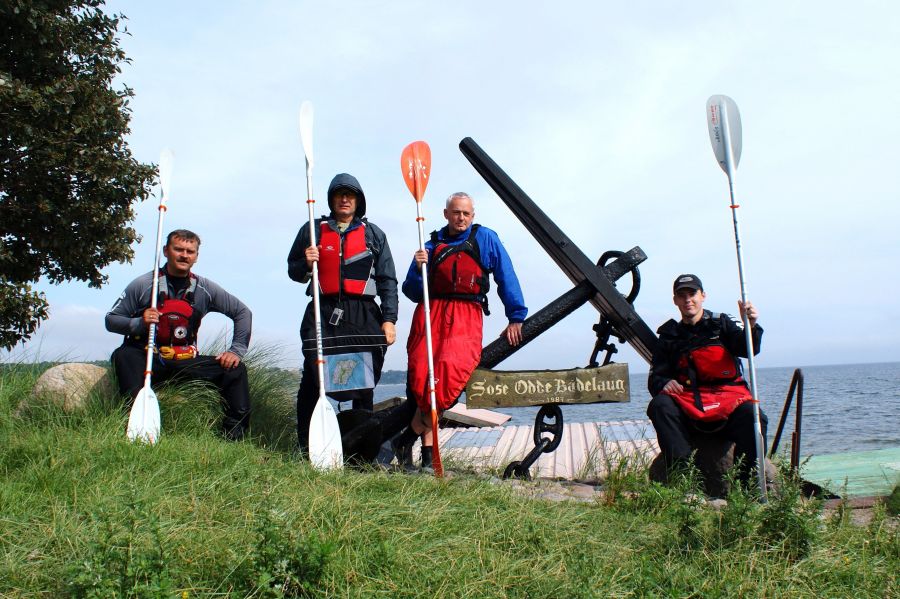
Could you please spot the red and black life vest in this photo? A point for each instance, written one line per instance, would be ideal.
(457, 272)
(346, 264)
(178, 323)
(711, 375)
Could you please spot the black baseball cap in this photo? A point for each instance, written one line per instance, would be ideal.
(689, 281)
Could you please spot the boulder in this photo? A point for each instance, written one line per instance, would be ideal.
(70, 385)
(714, 457)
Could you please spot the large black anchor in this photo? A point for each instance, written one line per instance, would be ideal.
(594, 283)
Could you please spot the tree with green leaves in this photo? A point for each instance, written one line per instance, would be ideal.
(68, 179)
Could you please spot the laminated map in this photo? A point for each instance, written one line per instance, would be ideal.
(346, 372)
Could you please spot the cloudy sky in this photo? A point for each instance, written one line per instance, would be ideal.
(596, 109)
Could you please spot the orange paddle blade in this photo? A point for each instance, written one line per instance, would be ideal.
(415, 162)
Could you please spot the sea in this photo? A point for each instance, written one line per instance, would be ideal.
(850, 407)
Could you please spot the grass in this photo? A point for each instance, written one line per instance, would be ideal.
(84, 513)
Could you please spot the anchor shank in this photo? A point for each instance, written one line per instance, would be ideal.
(543, 319)
(577, 266)
(549, 315)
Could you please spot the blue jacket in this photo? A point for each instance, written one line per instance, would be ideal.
(493, 257)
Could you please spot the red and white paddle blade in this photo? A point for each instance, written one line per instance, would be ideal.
(306, 131)
(325, 449)
(415, 164)
(724, 121)
(144, 421)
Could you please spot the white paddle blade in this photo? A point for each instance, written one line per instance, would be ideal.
(724, 121)
(306, 131)
(144, 422)
(325, 450)
(166, 164)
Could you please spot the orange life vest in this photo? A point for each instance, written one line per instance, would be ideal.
(177, 324)
(345, 262)
(713, 384)
(456, 271)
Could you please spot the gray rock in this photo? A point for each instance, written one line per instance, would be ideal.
(714, 457)
(70, 385)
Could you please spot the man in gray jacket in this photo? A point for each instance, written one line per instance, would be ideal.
(184, 299)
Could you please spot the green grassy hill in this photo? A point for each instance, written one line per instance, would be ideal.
(87, 514)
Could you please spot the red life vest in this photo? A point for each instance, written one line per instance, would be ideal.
(345, 262)
(177, 324)
(456, 271)
(713, 384)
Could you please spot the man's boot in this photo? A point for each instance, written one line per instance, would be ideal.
(402, 445)
(426, 458)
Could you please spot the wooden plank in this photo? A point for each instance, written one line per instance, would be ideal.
(583, 453)
(494, 388)
(391, 402)
(462, 414)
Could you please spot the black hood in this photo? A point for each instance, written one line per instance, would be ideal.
(343, 180)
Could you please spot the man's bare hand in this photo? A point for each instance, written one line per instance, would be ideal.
(513, 333)
(750, 310)
(228, 360)
(673, 386)
(390, 332)
(312, 255)
(150, 316)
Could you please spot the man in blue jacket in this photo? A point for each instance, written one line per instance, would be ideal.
(460, 257)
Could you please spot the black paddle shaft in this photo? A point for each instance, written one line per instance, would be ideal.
(573, 262)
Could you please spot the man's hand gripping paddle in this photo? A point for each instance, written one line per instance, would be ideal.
(144, 421)
(724, 123)
(325, 450)
(415, 163)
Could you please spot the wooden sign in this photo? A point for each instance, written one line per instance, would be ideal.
(510, 389)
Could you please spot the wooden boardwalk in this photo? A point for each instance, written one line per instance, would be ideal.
(587, 452)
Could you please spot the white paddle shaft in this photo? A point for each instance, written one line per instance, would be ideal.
(426, 303)
(748, 334)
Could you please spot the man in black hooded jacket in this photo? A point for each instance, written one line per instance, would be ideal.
(355, 267)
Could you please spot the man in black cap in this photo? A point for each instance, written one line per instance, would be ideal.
(355, 267)
(696, 378)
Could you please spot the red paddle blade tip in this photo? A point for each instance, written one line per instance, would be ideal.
(415, 164)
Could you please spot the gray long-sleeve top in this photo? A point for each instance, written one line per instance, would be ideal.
(125, 317)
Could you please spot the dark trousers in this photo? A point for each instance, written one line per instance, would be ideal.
(674, 430)
(129, 362)
(308, 395)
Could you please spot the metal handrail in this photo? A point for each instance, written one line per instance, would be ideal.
(796, 385)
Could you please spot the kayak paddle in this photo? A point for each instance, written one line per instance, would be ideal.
(144, 420)
(724, 122)
(415, 163)
(325, 450)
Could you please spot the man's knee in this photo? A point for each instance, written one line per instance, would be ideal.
(661, 406)
(237, 373)
(744, 415)
(128, 366)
